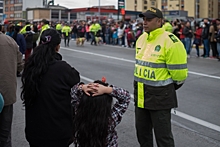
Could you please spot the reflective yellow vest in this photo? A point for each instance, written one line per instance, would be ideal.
(43, 28)
(168, 27)
(23, 30)
(161, 59)
(58, 27)
(66, 30)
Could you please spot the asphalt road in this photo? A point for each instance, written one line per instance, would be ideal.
(197, 119)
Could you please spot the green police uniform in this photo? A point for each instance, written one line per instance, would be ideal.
(161, 66)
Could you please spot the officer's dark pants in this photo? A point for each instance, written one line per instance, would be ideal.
(93, 38)
(160, 121)
(5, 126)
(66, 40)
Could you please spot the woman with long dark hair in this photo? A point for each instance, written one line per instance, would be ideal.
(95, 119)
(46, 85)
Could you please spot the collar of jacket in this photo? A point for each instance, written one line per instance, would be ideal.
(152, 35)
(57, 56)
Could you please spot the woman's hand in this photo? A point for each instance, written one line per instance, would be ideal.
(100, 89)
(88, 88)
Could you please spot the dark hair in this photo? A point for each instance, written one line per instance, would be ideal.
(28, 28)
(0, 27)
(16, 31)
(92, 119)
(37, 65)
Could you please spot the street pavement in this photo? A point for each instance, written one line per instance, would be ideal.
(196, 122)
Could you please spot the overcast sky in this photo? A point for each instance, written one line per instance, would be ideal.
(84, 3)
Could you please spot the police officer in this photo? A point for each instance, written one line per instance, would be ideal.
(59, 27)
(160, 69)
(66, 30)
(167, 26)
(44, 26)
(23, 30)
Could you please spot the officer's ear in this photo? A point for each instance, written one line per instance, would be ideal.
(159, 22)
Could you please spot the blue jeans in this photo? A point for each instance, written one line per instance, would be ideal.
(183, 41)
(197, 43)
(107, 38)
(206, 46)
(188, 42)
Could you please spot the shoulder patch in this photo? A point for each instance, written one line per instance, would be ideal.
(173, 38)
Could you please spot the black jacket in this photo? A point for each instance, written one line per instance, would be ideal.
(205, 32)
(49, 120)
(187, 33)
(157, 98)
(29, 39)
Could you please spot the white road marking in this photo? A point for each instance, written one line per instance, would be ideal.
(178, 113)
(132, 61)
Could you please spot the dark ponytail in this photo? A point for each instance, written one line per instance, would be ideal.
(37, 65)
(16, 31)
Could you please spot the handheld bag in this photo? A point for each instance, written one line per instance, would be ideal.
(1, 102)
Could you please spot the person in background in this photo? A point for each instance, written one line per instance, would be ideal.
(46, 94)
(66, 31)
(217, 39)
(74, 32)
(115, 37)
(187, 31)
(35, 35)
(121, 34)
(20, 40)
(44, 26)
(59, 28)
(10, 30)
(29, 42)
(167, 26)
(205, 38)
(23, 30)
(130, 36)
(10, 64)
(87, 32)
(198, 38)
(107, 34)
(176, 29)
(81, 30)
(213, 30)
(182, 36)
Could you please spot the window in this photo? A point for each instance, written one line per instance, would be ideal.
(11, 8)
(145, 2)
(18, 1)
(145, 7)
(6, 9)
(152, 3)
(1, 4)
(18, 8)
(1, 10)
(135, 1)
(7, 2)
(18, 15)
(11, 1)
(11, 15)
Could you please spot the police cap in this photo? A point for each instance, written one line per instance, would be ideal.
(152, 13)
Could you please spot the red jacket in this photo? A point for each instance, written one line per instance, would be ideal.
(181, 35)
(198, 33)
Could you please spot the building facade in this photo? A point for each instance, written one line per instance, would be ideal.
(195, 8)
(16, 9)
(1, 10)
(139, 5)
